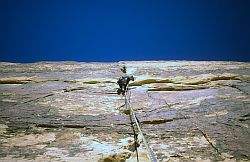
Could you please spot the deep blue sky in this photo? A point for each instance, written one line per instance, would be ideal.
(113, 30)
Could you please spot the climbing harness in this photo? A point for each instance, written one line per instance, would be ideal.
(132, 113)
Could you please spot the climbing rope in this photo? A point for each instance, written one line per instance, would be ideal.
(150, 152)
(133, 128)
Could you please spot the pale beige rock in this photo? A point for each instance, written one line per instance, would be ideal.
(29, 140)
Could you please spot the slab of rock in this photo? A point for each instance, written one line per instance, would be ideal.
(69, 111)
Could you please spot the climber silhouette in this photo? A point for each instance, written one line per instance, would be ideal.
(124, 81)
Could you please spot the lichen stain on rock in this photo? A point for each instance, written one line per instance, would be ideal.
(116, 158)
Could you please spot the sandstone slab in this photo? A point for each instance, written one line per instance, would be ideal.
(69, 111)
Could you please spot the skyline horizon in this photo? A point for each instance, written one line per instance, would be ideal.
(117, 61)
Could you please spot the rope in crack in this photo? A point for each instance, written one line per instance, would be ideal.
(123, 83)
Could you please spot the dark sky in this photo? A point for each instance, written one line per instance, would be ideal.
(114, 30)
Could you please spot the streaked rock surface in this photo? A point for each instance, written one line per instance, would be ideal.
(69, 111)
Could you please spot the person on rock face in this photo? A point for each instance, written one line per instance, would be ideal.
(124, 81)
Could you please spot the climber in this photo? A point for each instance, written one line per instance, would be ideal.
(124, 81)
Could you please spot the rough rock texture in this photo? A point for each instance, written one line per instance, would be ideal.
(69, 111)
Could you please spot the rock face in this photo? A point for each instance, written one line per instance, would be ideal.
(69, 111)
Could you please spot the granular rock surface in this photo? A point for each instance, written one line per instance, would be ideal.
(69, 111)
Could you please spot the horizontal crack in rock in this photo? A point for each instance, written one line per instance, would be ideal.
(88, 82)
(59, 126)
(217, 78)
(24, 81)
(161, 121)
(245, 117)
(14, 81)
(224, 78)
(150, 81)
(38, 98)
(74, 89)
(175, 88)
